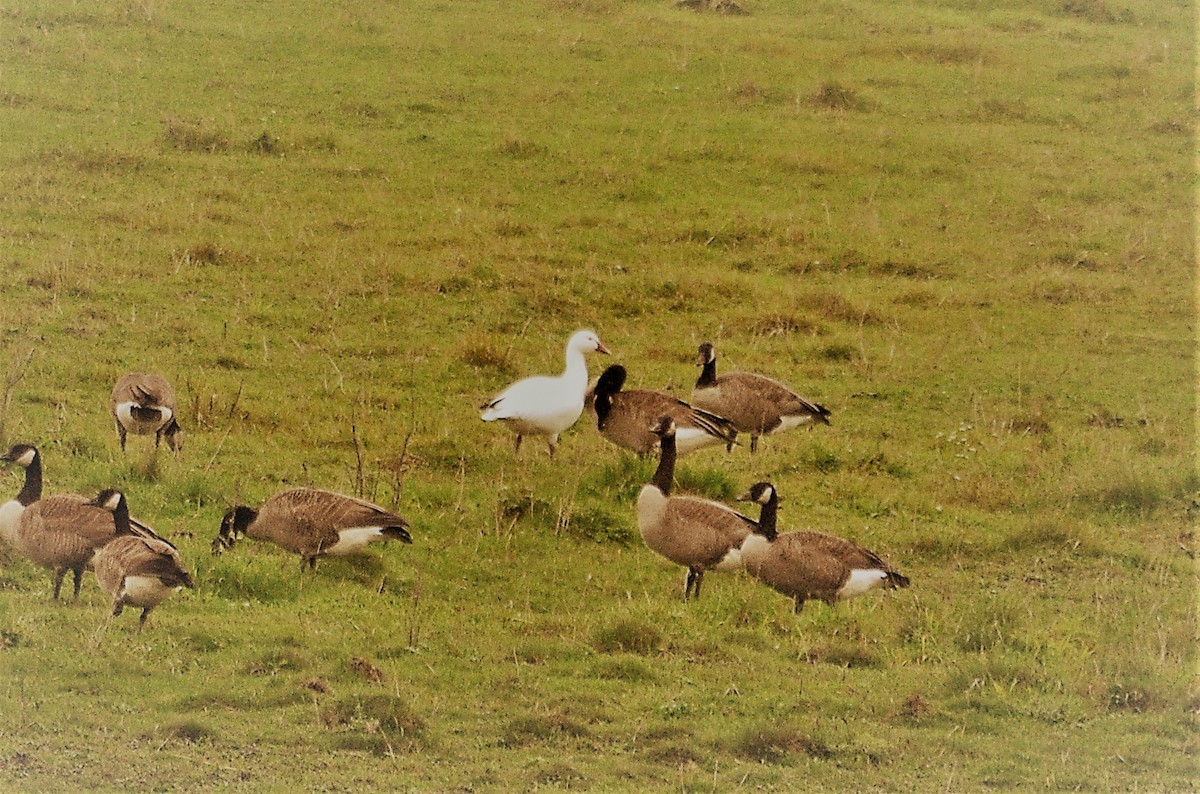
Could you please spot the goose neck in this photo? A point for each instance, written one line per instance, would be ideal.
(665, 474)
(708, 374)
(768, 517)
(575, 372)
(31, 491)
(603, 407)
(121, 518)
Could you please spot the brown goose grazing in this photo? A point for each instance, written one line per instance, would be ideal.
(312, 523)
(755, 404)
(697, 533)
(27, 457)
(804, 565)
(545, 405)
(134, 570)
(144, 403)
(625, 417)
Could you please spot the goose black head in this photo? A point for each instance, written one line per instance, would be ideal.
(21, 454)
(761, 492)
(607, 386)
(233, 528)
(109, 499)
(611, 380)
(705, 354)
(664, 427)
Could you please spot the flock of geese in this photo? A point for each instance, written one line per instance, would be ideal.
(696, 533)
(136, 567)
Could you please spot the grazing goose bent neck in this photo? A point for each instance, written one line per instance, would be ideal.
(610, 382)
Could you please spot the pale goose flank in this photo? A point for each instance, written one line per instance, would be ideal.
(755, 404)
(804, 565)
(313, 523)
(144, 404)
(625, 417)
(133, 570)
(27, 457)
(545, 405)
(699, 534)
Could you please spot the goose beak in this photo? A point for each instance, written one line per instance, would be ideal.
(746, 497)
(600, 348)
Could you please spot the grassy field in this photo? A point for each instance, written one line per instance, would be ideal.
(965, 226)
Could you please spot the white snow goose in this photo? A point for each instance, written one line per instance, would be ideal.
(546, 405)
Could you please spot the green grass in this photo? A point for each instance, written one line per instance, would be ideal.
(965, 227)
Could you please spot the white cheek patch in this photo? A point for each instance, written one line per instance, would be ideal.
(861, 580)
(26, 459)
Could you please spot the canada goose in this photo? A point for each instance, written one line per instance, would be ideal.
(625, 417)
(144, 403)
(806, 565)
(62, 532)
(27, 457)
(696, 533)
(133, 570)
(545, 405)
(312, 523)
(755, 404)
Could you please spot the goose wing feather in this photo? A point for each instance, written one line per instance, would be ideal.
(63, 529)
(635, 411)
(146, 389)
(755, 401)
(800, 563)
(707, 530)
(134, 556)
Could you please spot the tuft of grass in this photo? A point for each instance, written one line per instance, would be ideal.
(625, 669)
(712, 483)
(832, 95)
(775, 744)
(628, 636)
(1130, 496)
(189, 731)
(379, 724)
(542, 729)
(195, 136)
